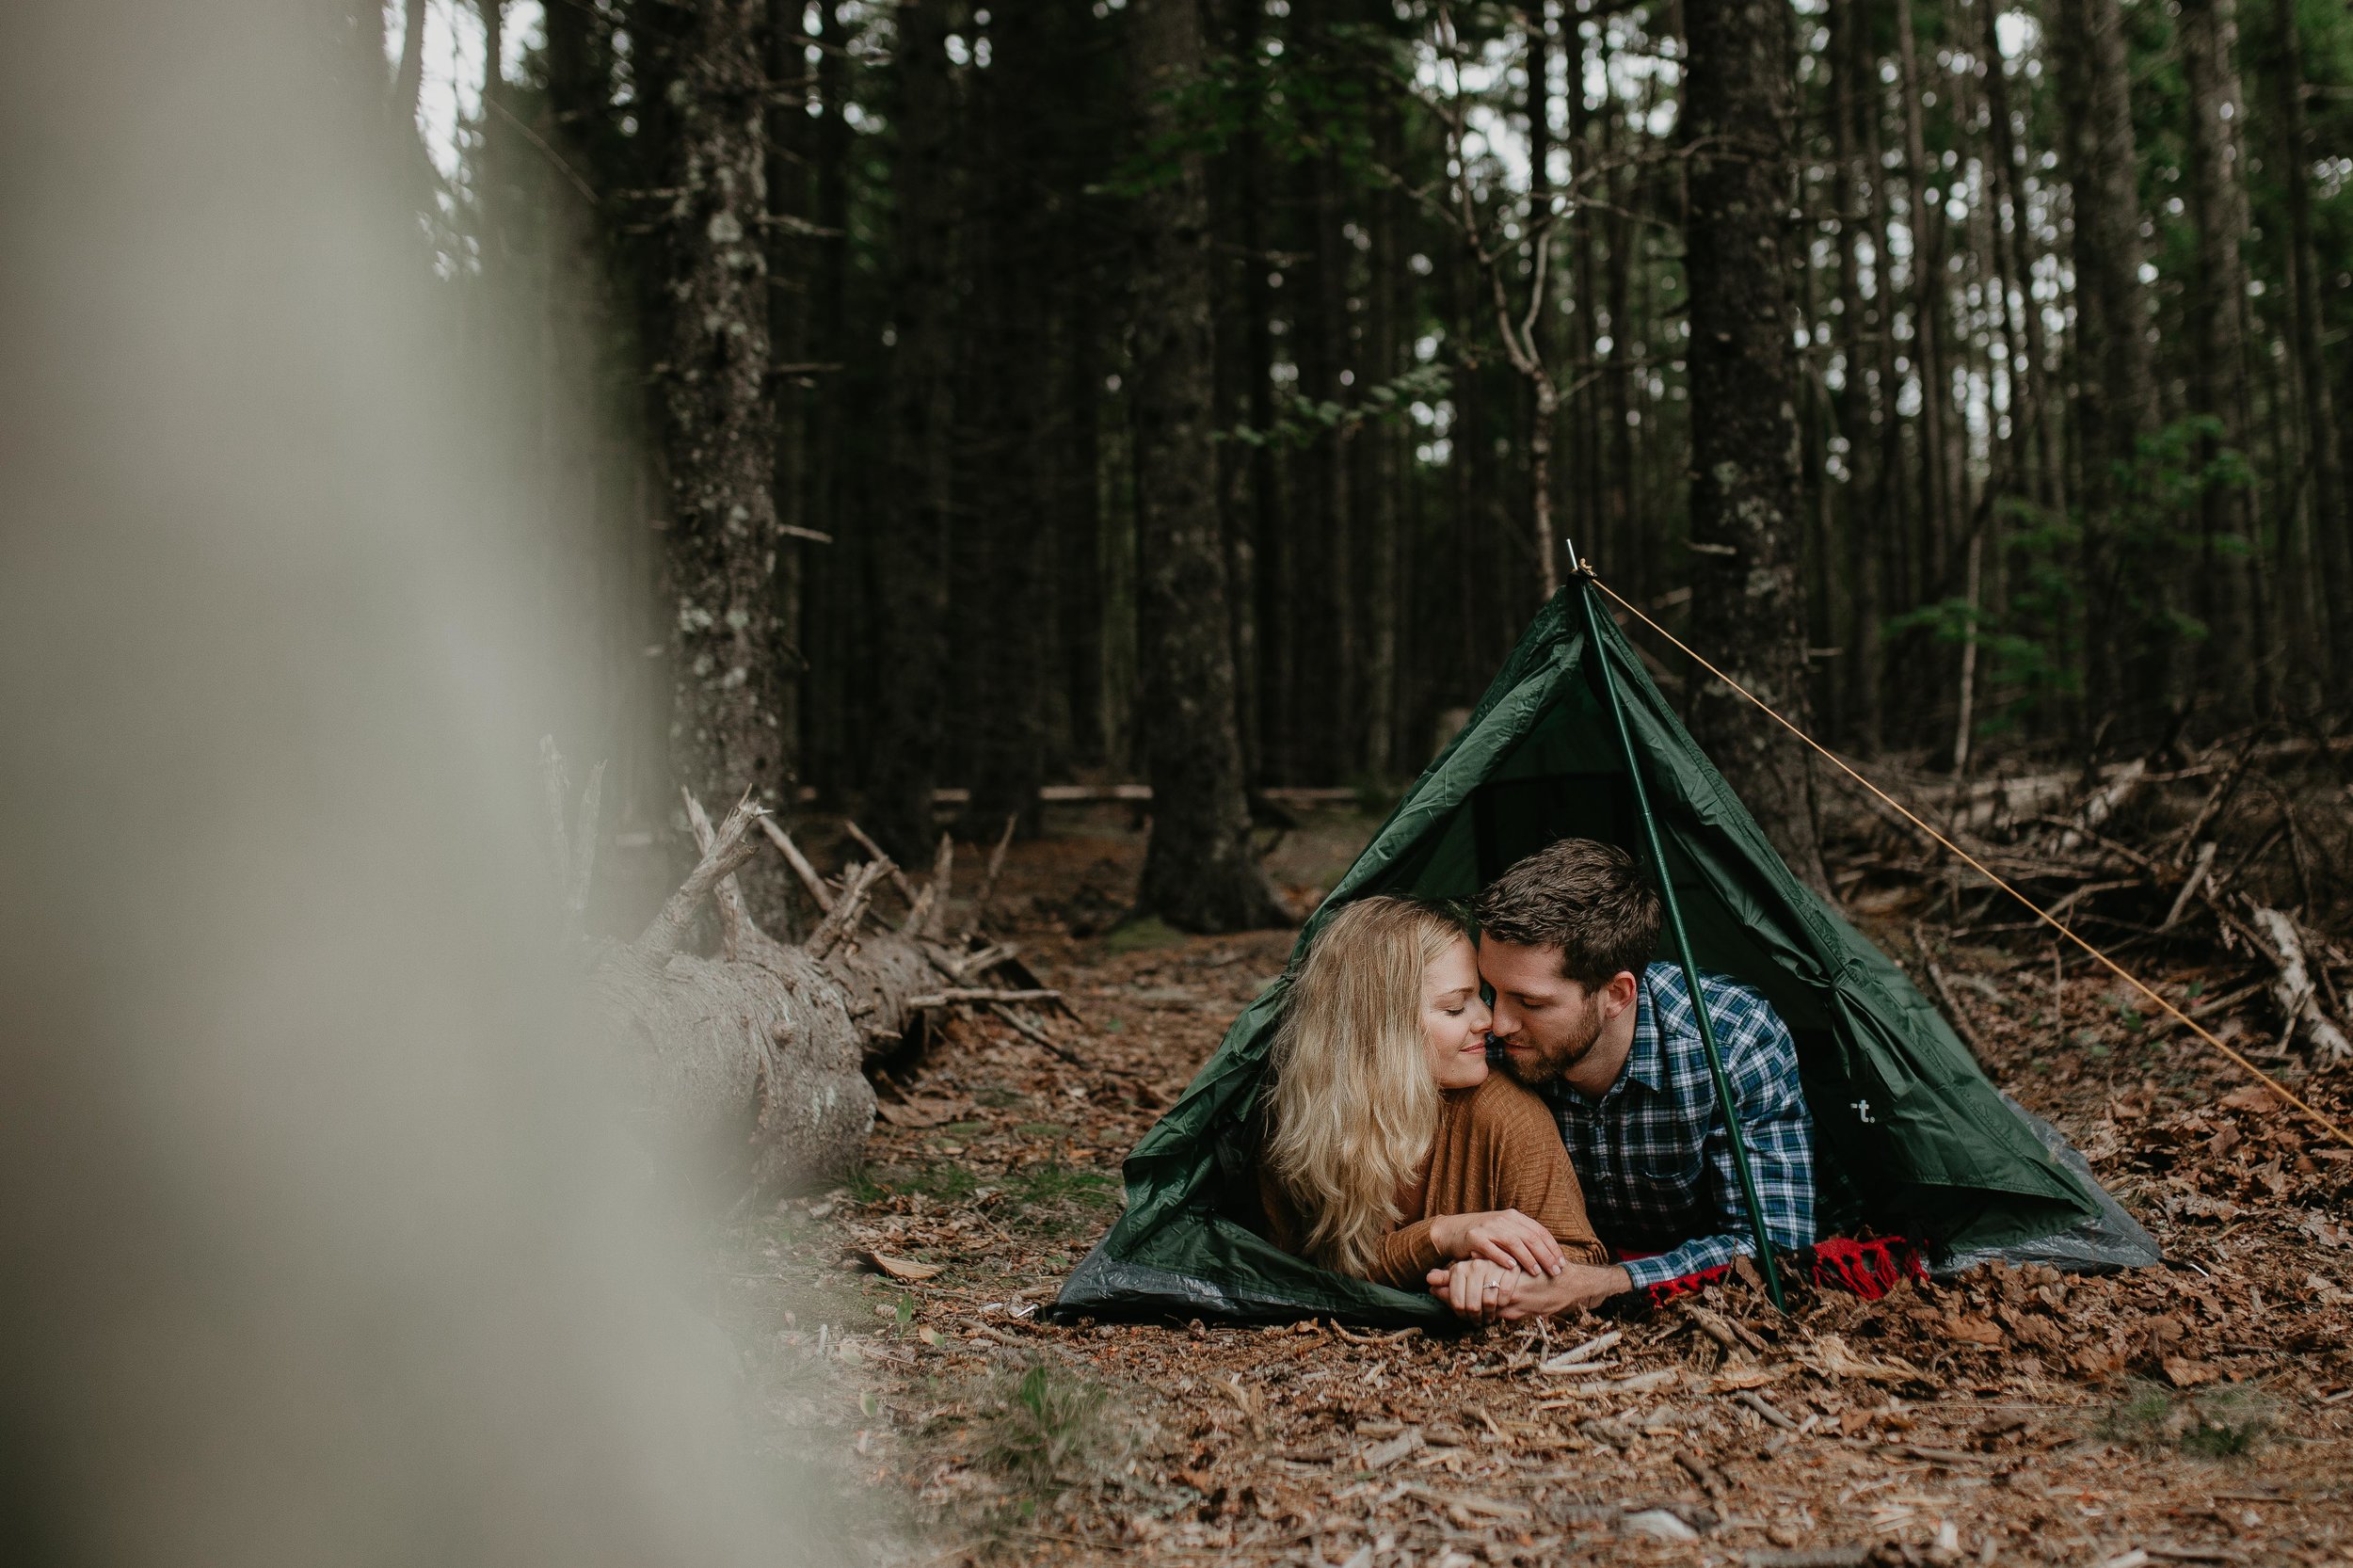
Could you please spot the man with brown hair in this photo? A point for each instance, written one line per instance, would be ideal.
(1611, 1041)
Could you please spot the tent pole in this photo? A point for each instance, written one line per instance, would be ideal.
(1583, 577)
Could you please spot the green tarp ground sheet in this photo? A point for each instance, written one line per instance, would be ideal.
(1910, 1137)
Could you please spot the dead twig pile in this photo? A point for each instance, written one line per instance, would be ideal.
(2229, 858)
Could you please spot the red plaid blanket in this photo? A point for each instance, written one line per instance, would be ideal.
(1869, 1267)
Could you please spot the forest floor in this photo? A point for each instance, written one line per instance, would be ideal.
(2201, 1413)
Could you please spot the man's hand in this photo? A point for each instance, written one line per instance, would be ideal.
(1488, 1293)
(1504, 1237)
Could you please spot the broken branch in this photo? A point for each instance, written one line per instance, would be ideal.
(730, 848)
(801, 868)
(898, 877)
(841, 919)
(963, 996)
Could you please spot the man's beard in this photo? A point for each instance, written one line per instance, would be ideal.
(1539, 1063)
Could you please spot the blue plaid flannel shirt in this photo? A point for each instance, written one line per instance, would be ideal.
(1653, 1155)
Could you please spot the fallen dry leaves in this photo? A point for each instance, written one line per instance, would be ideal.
(2198, 1413)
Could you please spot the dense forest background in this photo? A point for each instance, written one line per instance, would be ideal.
(942, 394)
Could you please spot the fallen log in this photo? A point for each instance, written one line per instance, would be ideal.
(748, 1064)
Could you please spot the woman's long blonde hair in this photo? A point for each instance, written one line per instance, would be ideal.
(1355, 1105)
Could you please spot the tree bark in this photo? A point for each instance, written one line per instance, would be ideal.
(2332, 538)
(789, 138)
(2039, 383)
(832, 576)
(749, 1064)
(1860, 410)
(2115, 378)
(1082, 530)
(718, 417)
(1233, 191)
(1004, 720)
(2208, 30)
(1924, 220)
(910, 587)
(1324, 654)
(1745, 521)
(1385, 471)
(1544, 336)
(1269, 541)
(1200, 872)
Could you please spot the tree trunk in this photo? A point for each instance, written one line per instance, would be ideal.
(2114, 376)
(718, 419)
(1324, 654)
(1384, 472)
(911, 564)
(1200, 872)
(1005, 719)
(1850, 94)
(2331, 536)
(1083, 532)
(1925, 220)
(2208, 30)
(1745, 520)
(1544, 337)
(1635, 538)
(2040, 385)
(1270, 552)
(1890, 558)
(1233, 190)
(832, 573)
(789, 275)
(1592, 517)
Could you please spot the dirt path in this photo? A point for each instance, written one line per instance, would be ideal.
(2201, 1414)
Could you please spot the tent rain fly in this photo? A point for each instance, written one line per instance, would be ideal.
(1910, 1137)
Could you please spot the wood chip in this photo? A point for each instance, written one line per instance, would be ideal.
(1729, 1332)
(1584, 1353)
(1765, 1408)
(1382, 1456)
(1492, 1508)
(1701, 1471)
(1659, 1524)
(906, 1268)
(1935, 1456)
(1574, 1369)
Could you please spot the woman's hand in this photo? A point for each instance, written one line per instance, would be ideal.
(1478, 1289)
(1504, 1237)
(1489, 1294)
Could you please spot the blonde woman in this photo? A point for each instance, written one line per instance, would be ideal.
(1392, 1154)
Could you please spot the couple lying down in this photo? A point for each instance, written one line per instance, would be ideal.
(1557, 1148)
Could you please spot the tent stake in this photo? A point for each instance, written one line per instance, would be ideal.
(1583, 577)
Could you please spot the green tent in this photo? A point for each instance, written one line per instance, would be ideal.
(1910, 1137)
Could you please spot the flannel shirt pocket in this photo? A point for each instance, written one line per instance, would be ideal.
(1676, 1173)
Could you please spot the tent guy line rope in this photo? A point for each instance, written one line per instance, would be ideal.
(1982, 870)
